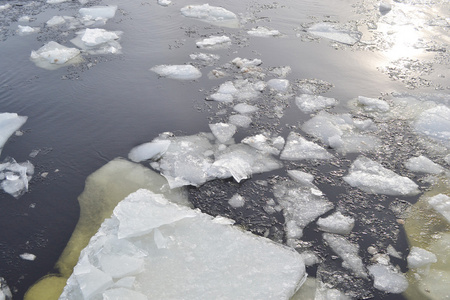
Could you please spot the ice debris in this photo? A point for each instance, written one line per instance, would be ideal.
(98, 41)
(205, 57)
(214, 42)
(312, 103)
(342, 132)
(5, 7)
(236, 201)
(298, 148)
(26, 30)
(336, 223)
(265, 144)
(371, 177)
(441, 203)
(225, 93)
(174, 252)
(372, 104)
(423, 164)
(97, 15)
(435, 123)
(419, 258)
(244, 108)
(27, 256)
(223, 131)
(240, 120)
(261, 31)
(218, 16)
(14, 177)
(164, 2)
(5, 292)
(181, 72)
(328, 31)
(388, 279)
(279, 85)
(9, 123)
(55, 21)
(301, 177)
(53, 55)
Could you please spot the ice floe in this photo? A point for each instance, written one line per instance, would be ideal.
(218, 16)
(236, 201)
(55, 21)
(98, 41)
(223, 131)
(26, 30)
(336, 223)
(97, 15)
(419, 258)
(5, 292)
(244, 108)
(441, 203)
(225, 93)
(53, 55)
(214, 42)
(388, 279)
(166, 244)
(9, 123)
(435, 123)
(423, 164)
(180, 72)
(371, 177)
(301, 177)
(342, 132)
(372, 104)
(164, 2)
(14, 177)
(298, 148)
(27, 256)
(261, 31)
(265, 144)
(328, 31)
(312, 103)
(280, 85)
(240, 120)
(205, 57)
(148, 150)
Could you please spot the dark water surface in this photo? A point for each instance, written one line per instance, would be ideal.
(83, 116)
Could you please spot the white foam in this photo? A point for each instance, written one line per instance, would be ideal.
(311, 103)
(298, 148)
(180, 72)
(218, 16)
(371, 177)
(328, 31)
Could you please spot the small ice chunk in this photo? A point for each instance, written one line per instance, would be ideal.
(123, 294)
(388, 279)
(56, 1)
(311, 103)
(148, 150)
(336, 223)
(218, 16)
(418, 258)
(9, 123)
(244, 108)
(181, 72)
(371, 177)
(53, 53)
(424, 165)
(245, 63)
(27, 256)
(25, 19)
(214, 42)
(15, 176)
(98, 41)
(262, 143)
(206, 57)
(236, 201)
(435, 123)
(5, 292)
(261, 31)
(55, 21)
(95, 12)
(348, 252)
(221, 97)
(301, 177)
(225, 93)
(164, 2)
(97, 36)
(230, 166)
(280, 85)
(328, 31)
(223, 131)
(372, 104)
(298, 148)
(240, 120)
(310, 258)
(26, 30)
(441, 203)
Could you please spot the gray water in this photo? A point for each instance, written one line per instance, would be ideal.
(82, 116)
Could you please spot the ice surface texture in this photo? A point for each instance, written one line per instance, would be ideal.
(179, 253)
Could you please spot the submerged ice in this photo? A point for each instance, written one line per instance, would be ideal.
(167, 251)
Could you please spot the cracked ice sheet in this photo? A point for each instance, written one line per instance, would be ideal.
(201, 258)
(371, 177)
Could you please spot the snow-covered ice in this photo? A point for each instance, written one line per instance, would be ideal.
(181, 72)
(441, 203)
(236, 201)
(372, 104)
(328, 31)
(223, 131)
(214, 42)
(98, 41)
(298, 148)
(9, 123)
(179, 253)
(423, 164)
(53, 55)
(261, 31)
(371, 177)
(418, 258)
(312, 103)
(388, 279)
(336, 223)
(218, 16)
(14, 177)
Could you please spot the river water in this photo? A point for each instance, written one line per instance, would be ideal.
(82, 116)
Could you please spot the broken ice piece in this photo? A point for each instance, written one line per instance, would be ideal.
(298, 148)
(388, 279)
(328, 31)
(207, 259)
(26, 30)
(53, 55)
(435, 123)
(301, 177)
(149, 150)
(55, 21)
(418, 258)
(371, 177)
(164, 2)
(244, 108)
(181, 72)
(261, 31)
(223, 131)
(423, 164)
(262, 143)
(441, 203)
(214, 42)
(218, 16)
(336, 223)
(280, 85)
(15, 176)
(9, 123)
(236, 201)
(98, 12)
(372, 104)
(311, 103)
(27, 256)
(240, 120)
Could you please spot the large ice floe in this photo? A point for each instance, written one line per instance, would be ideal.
(53, 55)
(371, 177)
(218, 16)
(180, 72)
(329, 31)
(153, 249)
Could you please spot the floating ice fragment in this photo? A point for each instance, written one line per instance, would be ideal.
(388, 279)
(25, 30)
(181, 72)
(96, 12)
(214, 42)
(244, 108)
(96, 36)
(336, 223)
(261, 31)
(223, 131)
(372, 104)
(418, 258)
(301, 177)
(206, 260)
(27, 256)
(236, 201)
(225, 93)
(206, 57)
(9, 123)
(423, 164)
(280, 85)
(298, 148)
(385, 8)
(98, 41)
(263, 144)
(164, 2)
(311, 103)
(24, 19)
(55, 21)
(211, 14)
(5, 292)
(371, 177)
(441, 203)
(2, 8)
(328, 31)
(14, 177)
(348, 252)
(392, 252)
(240, 120)
(53, 55)
(435, 123)
(148, 150)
